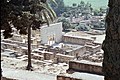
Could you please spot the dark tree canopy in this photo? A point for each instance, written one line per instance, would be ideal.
(60, 8)
(21, 14)
(74, 4)
(65, 23)
(111, 44)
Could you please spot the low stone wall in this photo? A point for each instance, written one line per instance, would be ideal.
(59, 77)
(82, 67)
(78, 52)
(48, 56)
(93, 48)
(76, 40)
(37, 56)
(4, 78)
(57, 57)
(64, 58)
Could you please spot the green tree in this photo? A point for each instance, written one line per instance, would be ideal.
(96, 12)
(24, 15)
(65, 23)
(111, 44)
(74, 4)
(60, 8)
(82, 2)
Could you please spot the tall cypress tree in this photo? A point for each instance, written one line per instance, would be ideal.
(111, 44)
